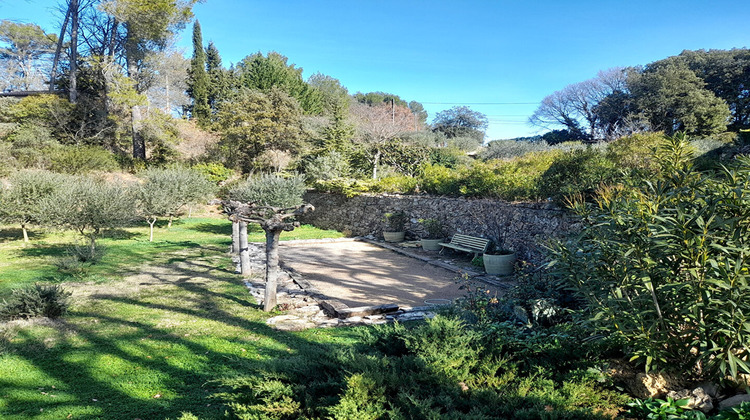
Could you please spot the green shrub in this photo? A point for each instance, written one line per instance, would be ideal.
(439, 180)
(214, 172)
(38, 300)
(326, 167)
(345, 186)
(664, 266)
(661, 409)
(739, 412)
(78, 160)
(270, 190)
(636, 153)
(448, 157)
(396, 184)
(579, 171)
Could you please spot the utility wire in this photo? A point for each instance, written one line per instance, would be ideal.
(481, 103)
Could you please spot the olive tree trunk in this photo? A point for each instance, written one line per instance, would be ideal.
(244, 250)
(272, 268)
(235, 237)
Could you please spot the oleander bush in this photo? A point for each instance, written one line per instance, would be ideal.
(664, 266)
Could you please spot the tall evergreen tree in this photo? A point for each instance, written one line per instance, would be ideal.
(219, 83)
(198, 79)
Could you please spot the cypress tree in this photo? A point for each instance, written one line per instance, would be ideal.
(198, 79)
(219, 84)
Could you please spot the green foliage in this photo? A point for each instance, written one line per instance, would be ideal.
(255, 122)
(21, 202)
(460, 121)
(673, 98)
(739, 412)
(663, 266)
(395, 184)
(39, 300)
(404, 158)
(579, 171)
(347, 187)
(166, 192)
(433, 228)
(272, 71)
(198, 78)
(443, 368)
(270, 190)
(88, 206)
(326, 167)
(214, 172)
(636, 153)
(659, 409)
(78, 160)
(396, 221)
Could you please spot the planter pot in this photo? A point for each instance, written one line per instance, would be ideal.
(431, 244)
(393, 236)
(501, 265)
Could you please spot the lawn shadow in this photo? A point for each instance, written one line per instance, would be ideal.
(216, 229)
(12, 234)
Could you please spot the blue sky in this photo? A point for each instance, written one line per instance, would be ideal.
(509, 54)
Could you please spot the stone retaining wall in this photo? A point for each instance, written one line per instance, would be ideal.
(522, 227)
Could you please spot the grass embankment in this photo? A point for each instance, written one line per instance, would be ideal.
(147, 337)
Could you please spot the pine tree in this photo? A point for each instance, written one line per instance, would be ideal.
(198, 79)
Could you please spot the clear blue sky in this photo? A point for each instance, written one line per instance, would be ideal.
(446, 53)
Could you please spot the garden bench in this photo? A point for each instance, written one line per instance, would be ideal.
(467, 243)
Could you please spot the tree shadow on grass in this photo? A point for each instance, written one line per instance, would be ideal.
(216, 229)
(172, 344)
(12, 234)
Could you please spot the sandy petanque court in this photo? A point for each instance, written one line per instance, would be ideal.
(361, 274)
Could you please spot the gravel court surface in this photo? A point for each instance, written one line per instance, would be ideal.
(361, 274)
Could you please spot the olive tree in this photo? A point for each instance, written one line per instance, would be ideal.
(89, 206)
(270, 201)
(21, 199)
(166, 192)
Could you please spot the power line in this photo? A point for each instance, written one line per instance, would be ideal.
(480, 103)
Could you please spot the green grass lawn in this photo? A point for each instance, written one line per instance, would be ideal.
(126, 249)
(152, 327)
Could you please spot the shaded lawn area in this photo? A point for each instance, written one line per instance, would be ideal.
(148, 345)
(126, 249)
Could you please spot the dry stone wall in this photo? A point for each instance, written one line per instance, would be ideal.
(522, 227)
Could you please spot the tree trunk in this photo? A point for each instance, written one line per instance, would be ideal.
(272, 268)
(151, 229)
(375, 162)
(25, 233)
(136, 118)
(244, 251)
(58, 50)
(139, 145)
(235, 237)
(73, 89)
(169, 224)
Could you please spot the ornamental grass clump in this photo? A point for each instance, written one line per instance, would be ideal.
(39, 300)
(664, 266)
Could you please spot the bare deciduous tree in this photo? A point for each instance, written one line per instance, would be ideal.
(377, 124)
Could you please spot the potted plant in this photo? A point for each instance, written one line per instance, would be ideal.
(498, 261)
(394, 226)
(433, 234)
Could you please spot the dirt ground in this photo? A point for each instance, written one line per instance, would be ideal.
(360, 274)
